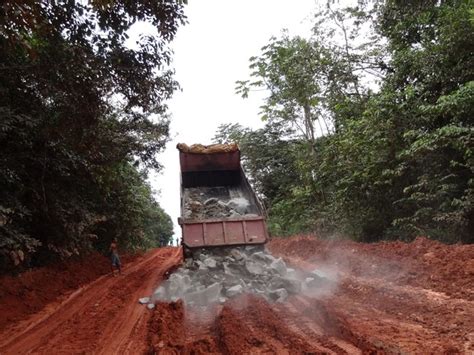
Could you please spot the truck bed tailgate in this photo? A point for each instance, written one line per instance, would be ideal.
(228, 232)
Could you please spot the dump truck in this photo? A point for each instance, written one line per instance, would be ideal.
(218, 206)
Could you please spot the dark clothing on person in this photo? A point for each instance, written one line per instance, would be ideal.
(115, 260)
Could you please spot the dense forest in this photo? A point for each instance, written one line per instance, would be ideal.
(368, 123)
(82, 116)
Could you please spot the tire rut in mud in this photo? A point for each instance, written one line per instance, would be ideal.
(101, 318)
(249, 324)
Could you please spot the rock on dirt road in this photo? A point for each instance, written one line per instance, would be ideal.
(384, 298)
(219, 274)
(392, 297)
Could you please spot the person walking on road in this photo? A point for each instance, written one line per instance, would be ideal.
(115, 257)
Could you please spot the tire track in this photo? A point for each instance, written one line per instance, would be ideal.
(97, 318)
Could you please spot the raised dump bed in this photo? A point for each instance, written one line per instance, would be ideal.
(218, 206)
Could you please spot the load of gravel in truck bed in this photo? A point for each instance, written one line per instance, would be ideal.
(217, 202)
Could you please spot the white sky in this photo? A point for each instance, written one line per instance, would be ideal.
(211, 52)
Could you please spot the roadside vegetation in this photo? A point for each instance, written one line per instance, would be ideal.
(82, 116)
(368, 123)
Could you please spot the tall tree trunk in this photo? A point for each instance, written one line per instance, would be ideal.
(311, 138)
(309, 125)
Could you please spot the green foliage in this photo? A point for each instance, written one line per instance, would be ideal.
(80, 115)
(398, 162)
(295, 73)
(272, 166)
(440, 200)
(133, 216)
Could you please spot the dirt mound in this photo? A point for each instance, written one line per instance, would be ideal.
(424, 263)
(30, 291)
(398, 297)
(166, 329)
(168, 333)
(250, 325)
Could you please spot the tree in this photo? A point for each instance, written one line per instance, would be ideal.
(272, 166)
(78, 110)
(293, 72)
(432, 79)
(398, 162)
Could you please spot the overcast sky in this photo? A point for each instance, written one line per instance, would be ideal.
(211, 52)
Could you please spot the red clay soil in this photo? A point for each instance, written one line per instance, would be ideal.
(168, 331)
(100, 317)
(400, 297)
(249, 325)
(31, 291)
(423, 263)
(377, 298)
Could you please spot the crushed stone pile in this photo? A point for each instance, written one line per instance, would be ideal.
(220, 275)
(207, 149)
(215, 202)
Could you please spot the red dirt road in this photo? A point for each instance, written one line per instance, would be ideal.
(102, 317)
(394, 298)
(382, 298)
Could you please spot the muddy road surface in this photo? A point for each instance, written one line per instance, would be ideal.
(102, 317)
(395, 298)
(382, 298)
